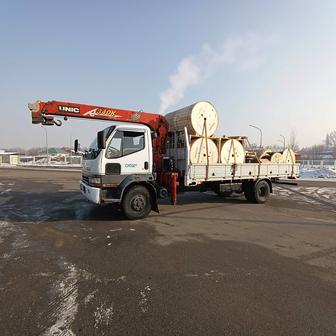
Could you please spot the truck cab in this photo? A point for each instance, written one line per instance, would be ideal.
(119, 159)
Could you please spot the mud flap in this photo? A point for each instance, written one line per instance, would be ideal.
(155, 206)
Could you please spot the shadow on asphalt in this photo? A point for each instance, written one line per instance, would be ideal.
(62, 205)
(36, 207)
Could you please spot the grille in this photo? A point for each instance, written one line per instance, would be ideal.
(85, 179)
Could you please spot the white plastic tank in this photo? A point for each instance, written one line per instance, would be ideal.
(202, 148)
(276, 158)
(200, 119)
(232, 152)
(288, 156)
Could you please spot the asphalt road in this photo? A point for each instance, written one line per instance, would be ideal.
(208, 266)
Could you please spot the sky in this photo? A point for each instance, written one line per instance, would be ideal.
(267, 63)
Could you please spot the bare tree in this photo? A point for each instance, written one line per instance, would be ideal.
(293, 142)
(332, 139)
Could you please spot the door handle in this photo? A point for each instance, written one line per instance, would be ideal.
(146, 165)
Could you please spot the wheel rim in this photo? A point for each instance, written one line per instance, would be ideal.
(138, 203)
(262, 192)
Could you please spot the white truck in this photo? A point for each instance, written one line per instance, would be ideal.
(135, 162)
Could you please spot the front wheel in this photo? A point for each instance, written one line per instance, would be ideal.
(136, 203)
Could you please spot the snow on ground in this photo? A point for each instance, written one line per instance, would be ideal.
(66, 290)
(322, 196)
(317, 172)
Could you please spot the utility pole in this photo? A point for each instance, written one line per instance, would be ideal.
(47, 149)
(259, 129)
(284, 141)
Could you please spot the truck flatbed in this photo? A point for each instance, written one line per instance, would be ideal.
(245, 171)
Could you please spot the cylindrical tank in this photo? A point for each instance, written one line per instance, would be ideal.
(200, 119)
(265, 155)
(276, 158)
(200, 148)
(288, 156)
(232, 152)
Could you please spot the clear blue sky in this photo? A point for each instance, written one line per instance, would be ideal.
(124, 53)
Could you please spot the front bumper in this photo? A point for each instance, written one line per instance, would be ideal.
(91, 193)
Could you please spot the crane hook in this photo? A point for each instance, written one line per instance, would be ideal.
(57, 122)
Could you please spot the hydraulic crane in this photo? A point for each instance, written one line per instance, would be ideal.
(108, 177)
(45, 113)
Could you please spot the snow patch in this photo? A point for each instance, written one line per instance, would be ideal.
(44, 274)
(6, 256)
(113, 230)
(20, 242)
(312, 195)
(314, 172)
(5, 230)
(67, 291)
(103, 315)
(121, 278)
(5, 191)
(90, 297)
(144, 298)
(213, 274)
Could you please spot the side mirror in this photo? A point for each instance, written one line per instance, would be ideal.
(101, 141)
(76, 145)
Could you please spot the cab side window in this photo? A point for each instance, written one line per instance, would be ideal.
(133, 142)
(125, 143)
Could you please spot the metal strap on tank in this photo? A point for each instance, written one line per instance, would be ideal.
(206, 149)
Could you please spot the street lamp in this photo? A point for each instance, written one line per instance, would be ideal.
(46, 136)
(284, 141)
(259, 129)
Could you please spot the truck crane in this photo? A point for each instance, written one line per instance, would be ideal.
(132, 170)
(138, 160)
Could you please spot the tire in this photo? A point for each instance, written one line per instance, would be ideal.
(249, 191)
(249, 195)
(261, 192)
(136, 203)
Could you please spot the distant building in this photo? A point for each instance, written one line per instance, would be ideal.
(54, 151)
(11, 158)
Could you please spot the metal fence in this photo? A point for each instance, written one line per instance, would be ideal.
(76, 161)
(318, 163)
(56, 161)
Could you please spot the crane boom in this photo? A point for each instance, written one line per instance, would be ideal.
(45, 112)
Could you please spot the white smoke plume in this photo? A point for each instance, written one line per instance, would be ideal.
(245, 52)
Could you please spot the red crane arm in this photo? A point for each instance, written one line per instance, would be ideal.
(45, 112)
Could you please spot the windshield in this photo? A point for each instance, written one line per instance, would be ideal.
(94, 145)
(93, 150)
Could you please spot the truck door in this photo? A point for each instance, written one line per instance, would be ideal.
(128, 152)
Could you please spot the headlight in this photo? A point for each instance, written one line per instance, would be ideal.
(95, 181)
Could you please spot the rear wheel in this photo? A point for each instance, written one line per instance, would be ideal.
(249, 195)
(248, 191)
(136, 203)
(261, 192)
(258, 192)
